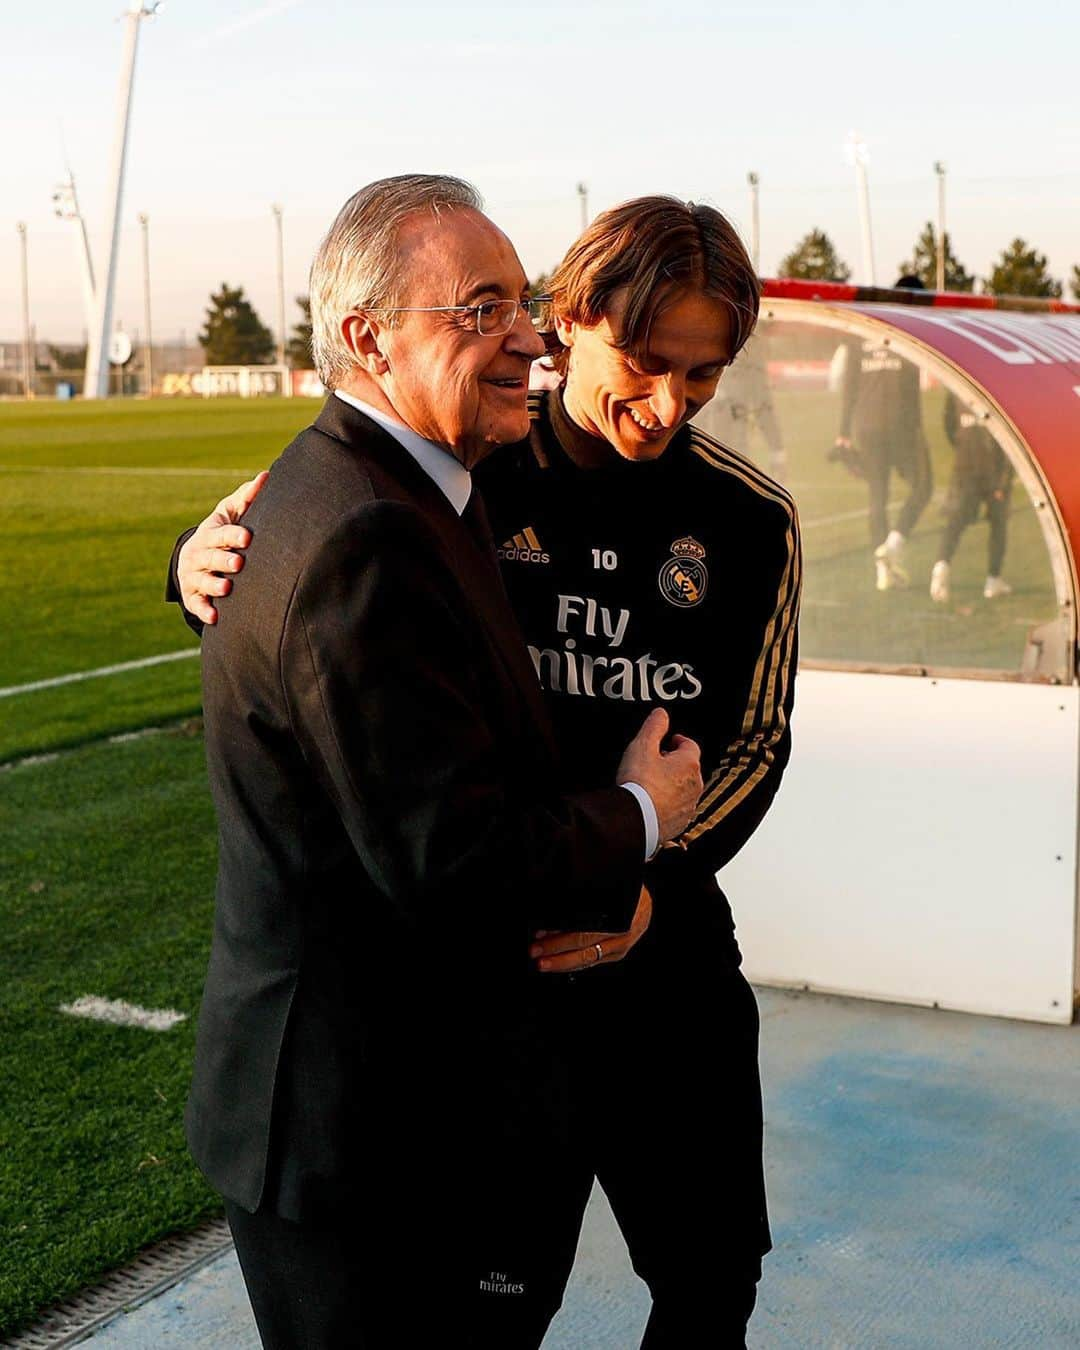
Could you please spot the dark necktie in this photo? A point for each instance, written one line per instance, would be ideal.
(475, 520)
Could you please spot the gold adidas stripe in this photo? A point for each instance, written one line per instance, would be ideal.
(533, 542)
(720, 796)
(731, 785)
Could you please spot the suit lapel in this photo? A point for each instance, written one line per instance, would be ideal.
(479, 573)
(473, 563)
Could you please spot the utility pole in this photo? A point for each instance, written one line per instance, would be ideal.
(583, 197)
(148, 357)
(96, 383)
(28, 341)
(276, 209)
(860, 156)
(939, 169)
(66, 206)
(755, 222)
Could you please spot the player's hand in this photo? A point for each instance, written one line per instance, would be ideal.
(672, 777)
(563, 953)
(210, 554)
(844, 451)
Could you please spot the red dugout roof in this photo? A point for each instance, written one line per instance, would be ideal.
(1024, 355)
(788, 288)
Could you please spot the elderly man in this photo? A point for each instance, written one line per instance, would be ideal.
(391, 825)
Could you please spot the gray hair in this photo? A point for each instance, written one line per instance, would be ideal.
(357, 264)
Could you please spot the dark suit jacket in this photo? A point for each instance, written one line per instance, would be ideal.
(389, 818)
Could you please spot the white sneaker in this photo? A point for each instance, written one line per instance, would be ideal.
(891, 554)
(939, 582)
(996, 586)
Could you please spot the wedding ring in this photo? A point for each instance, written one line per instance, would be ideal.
(599, 953)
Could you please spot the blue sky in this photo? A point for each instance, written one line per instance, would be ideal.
(242, 103)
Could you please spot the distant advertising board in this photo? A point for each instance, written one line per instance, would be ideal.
(798, 374)
(241, 382)
(306, 384)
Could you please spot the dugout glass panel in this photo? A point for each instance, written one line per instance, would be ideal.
(917, 480)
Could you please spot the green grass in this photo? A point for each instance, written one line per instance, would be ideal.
(106, 888)
(92, 497)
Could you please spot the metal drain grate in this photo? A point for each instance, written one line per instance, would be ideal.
(151, 1272)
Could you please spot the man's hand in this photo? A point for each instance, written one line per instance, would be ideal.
(672, 778)
(209, 551)
(562, 953)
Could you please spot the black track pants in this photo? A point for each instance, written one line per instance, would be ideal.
(663, 1106)
(879, 459)
(964, 511)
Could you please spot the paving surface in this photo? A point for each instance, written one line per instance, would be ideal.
(924, 1184)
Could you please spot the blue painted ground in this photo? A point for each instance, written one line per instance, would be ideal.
(924, 1183)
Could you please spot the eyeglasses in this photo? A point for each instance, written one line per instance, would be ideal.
(492, 318)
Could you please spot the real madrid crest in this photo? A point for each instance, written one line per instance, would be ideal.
(684, 578)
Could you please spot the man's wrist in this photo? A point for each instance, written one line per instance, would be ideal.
(648, 815)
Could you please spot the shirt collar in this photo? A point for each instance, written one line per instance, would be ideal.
(447, 473)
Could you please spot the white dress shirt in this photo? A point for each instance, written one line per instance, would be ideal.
(455, 482)
(447, 473)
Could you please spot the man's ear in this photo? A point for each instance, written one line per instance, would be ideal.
(565, 330)
(365, 337)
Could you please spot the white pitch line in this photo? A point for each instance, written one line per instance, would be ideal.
(841, 516)
(121, 1014)
(79, 675)
(29, 761)
(858, 514)
(122, 469)
(126, 737)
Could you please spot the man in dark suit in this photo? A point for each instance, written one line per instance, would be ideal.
(391, 827)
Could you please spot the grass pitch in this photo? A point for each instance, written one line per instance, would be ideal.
(106, 888)
(107, 852)
(92, 497)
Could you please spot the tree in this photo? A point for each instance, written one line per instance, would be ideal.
(814, 258)
(234, 334)
(923, 263)
(68, 358)
(1074, 282)
(298, 349)
(1022, 271)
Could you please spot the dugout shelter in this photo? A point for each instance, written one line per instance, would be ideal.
(923, 847)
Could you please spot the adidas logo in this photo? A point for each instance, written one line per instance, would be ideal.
(523, 547)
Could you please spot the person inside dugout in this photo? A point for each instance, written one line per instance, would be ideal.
(881, 430)
(648, 565)
(981, 477)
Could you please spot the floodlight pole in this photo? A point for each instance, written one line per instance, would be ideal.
(96, 383)
(583, 197)
(27, 342)
(755, 222)
(144, 221)
(277, 213)
(939, 169)
(66, 206)
(858, 154)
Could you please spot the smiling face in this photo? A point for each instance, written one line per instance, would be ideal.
(447, 382)
(637, 403)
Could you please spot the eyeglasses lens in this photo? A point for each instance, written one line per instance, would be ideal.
(495, 317)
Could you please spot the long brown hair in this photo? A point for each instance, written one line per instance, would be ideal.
(654, 249)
